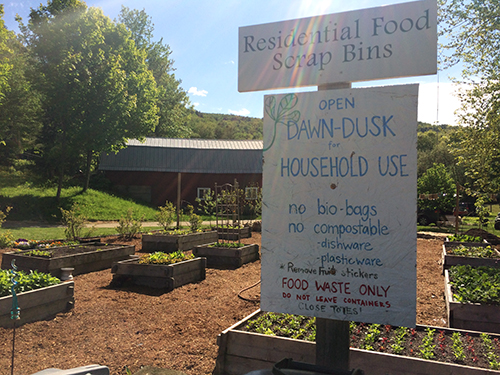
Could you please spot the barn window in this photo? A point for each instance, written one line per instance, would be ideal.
(251, 193)
(202, 192)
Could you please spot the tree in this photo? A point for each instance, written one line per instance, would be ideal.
(173, 101)
(20, 108)
(5, 52)
(438, 187)
(98, 91)
(471, 31)
(471, 28)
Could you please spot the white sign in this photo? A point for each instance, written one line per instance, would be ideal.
(339, 204)
(384, 42)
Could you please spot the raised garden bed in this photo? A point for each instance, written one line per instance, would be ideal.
(483, 317)
(83, 258)
(169, 243)
(233, 234)
(465, 239)
(241, 351)
(485, 256)
(224, 256)
(159, 276)
(38, 304)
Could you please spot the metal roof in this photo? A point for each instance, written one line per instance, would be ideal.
(201, 144)
(186, 156)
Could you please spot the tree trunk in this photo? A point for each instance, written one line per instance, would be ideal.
(87, 171)
(62, 160)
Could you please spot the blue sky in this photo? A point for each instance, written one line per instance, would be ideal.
(203, 37)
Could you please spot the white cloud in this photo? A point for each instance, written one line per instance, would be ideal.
(195, 104)
(194, 91)
(230, 62)
(437, 103)
(241, 112)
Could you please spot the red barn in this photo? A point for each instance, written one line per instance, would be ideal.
(156, 170)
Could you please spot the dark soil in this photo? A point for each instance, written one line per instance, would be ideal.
(490, 237)
(136, 326)
(62, 251)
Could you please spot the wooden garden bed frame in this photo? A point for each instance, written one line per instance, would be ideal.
(168, 243)
(241, 352)
(223, 256)
(470, 316)
(38, 304)
(81, 262)
(158, 276)
(450, 260)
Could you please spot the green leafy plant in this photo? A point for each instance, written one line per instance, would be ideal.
(207, 204)
(39, 253)
(481, 211)
(371, 337)
(231, 245)
(128, 227)
(464, 238)
(165, 258)
(399, 339)
(474, 251)
(475, 284)
(166, 215)
(26, 281)
(6, 239)
(490, 351)
(3, 215)
(74, 222)
(427, 347)
(194, 220)
(457, 346)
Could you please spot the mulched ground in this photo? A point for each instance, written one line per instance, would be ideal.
(134, 327)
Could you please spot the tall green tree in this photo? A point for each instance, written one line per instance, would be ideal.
(173, 101)
(98, 91)
(5, 53)
(472, 38)
(438, 182)
(19, 101)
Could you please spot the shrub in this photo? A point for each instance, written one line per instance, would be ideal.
(74, 222)
(194, 220)
(166, 215)
(6, 239)
(3, 215)
(128, 227)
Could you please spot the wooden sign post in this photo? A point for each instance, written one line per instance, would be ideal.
(339, 176)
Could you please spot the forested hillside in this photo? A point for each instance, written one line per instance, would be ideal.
(219, 126)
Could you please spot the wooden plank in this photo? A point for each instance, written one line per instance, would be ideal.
(269, 348)
(38, 296)
(187, 266)
(38, 304)
(471, 316)
(376, 363)
(241, 352)
(449, 260)
(161, 276)
(245, 354)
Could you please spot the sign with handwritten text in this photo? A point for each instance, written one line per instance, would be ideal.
(339, 204)
(383, 42)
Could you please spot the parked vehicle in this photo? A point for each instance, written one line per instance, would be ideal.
(497, 222)
(426, 217)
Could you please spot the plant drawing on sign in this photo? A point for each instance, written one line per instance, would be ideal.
(282, 114)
